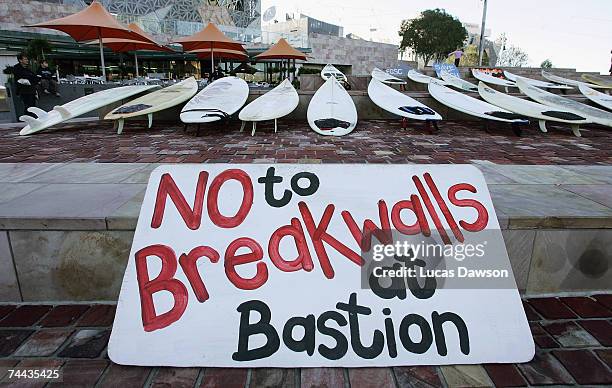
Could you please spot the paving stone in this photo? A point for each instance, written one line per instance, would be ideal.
(600, 329)
(587, 307)
(124, 376)
(459, 376)
(570, 335)
(22, 172)
(551, 308)
(224, 377)
(98, 315)
(584, 366)
(530, 312)
(81, 373)
(9, 288)
(5, 310)
(25, 315)
(544, 369)
(36, 363)
(87, 343)
(605, 355)
(88, 173)
(545, 341)
(10, 340)
(371, 377)
(64, 315)
(417, 376)
(273, 377)
(6, 364)
(505, 375)
(605, 299)
(43, 343)
(321, 377)
(597, 193)
(175, 378)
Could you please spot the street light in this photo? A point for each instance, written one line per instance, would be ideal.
(482, 32)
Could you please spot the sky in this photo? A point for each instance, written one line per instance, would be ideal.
(571, 33)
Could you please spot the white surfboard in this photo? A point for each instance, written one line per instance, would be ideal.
(532, 109)
(489, 79)
(598, 79)
(568, 81)
(276, 103)
(331, 111)
(422, 78)
(472, 106)
(386, 78)
(535, 82)
(398, 103)
(154, 102)
(78, 107)
(595, 115)
(458, 83)
(331, 71)
(219, 100)
(599, 98)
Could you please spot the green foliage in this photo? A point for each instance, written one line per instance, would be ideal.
(513, 56)
(308, 70)
(8, 70)
(470, 57)
(37, 48)
(433, 35)
(546, 64)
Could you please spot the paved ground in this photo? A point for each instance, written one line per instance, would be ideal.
(374, 141)
(573, 337)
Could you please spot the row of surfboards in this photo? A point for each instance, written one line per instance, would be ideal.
(331, 110)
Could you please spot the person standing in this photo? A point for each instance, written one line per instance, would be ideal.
(26, 82)
(458, 54)
(47, 78)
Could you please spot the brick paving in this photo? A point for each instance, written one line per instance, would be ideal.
(374, 141)
(573, 337)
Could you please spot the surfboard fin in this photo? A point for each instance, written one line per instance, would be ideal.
(120, 126)
(65, 113)
(242, 126)
(150, 117)
(576, 130)
(31, 122)
(542, 124)
(41, 114)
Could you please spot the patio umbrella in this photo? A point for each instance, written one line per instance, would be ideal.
(210, 38)
(220, 53)
(125, 45)
(94, 22)
(246, 68)
(282, 50)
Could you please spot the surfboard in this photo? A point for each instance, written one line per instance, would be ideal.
(595, 115)
(422, 78)
(472, 106)
(331, 71)
(398, 103)
(219, 100)
(154, 102)
(331, 111)
(386, 78)
(273, 105)
(78, 107)
(568, 81)
(531, 109)
(599, 98)
(489, 79)
(598, 80)
(535, 82)
(458, 83)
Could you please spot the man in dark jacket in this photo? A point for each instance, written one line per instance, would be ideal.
(47, 78)
(26, 82)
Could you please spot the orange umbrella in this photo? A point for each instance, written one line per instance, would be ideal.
(209, 38)
(281, 50)
(220, 53)
(94, 22)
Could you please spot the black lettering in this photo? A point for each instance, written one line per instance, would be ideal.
(338, 351)
(464, 338)
(426, 337)
(397, 288)
(247, 329)
(390, 333)
(269, 180)
(313, 183)
(307, 343)
(353, 309)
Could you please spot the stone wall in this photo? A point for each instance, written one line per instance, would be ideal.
(363, 55)
(14, 15)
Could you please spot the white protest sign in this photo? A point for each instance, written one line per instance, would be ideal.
(262, 265)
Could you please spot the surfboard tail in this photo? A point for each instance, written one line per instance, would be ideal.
(32, 124)
(65, 113)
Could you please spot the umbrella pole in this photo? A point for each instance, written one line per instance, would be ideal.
(136, 61)
(102, 56)
(212, 59)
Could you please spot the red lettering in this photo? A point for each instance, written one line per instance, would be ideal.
(232, 260)
(303, 260)
(483, 216)
(213, 197)
(431, 209)
(383, 235)
(165, 281)
(421, 224)
(319, 234)
(445, 211)
(188, 264)
(167, 188)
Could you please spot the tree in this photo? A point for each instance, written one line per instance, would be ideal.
(513, 56)
(37, 48)
(470, 57)
(433, 35)
(546, 64)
